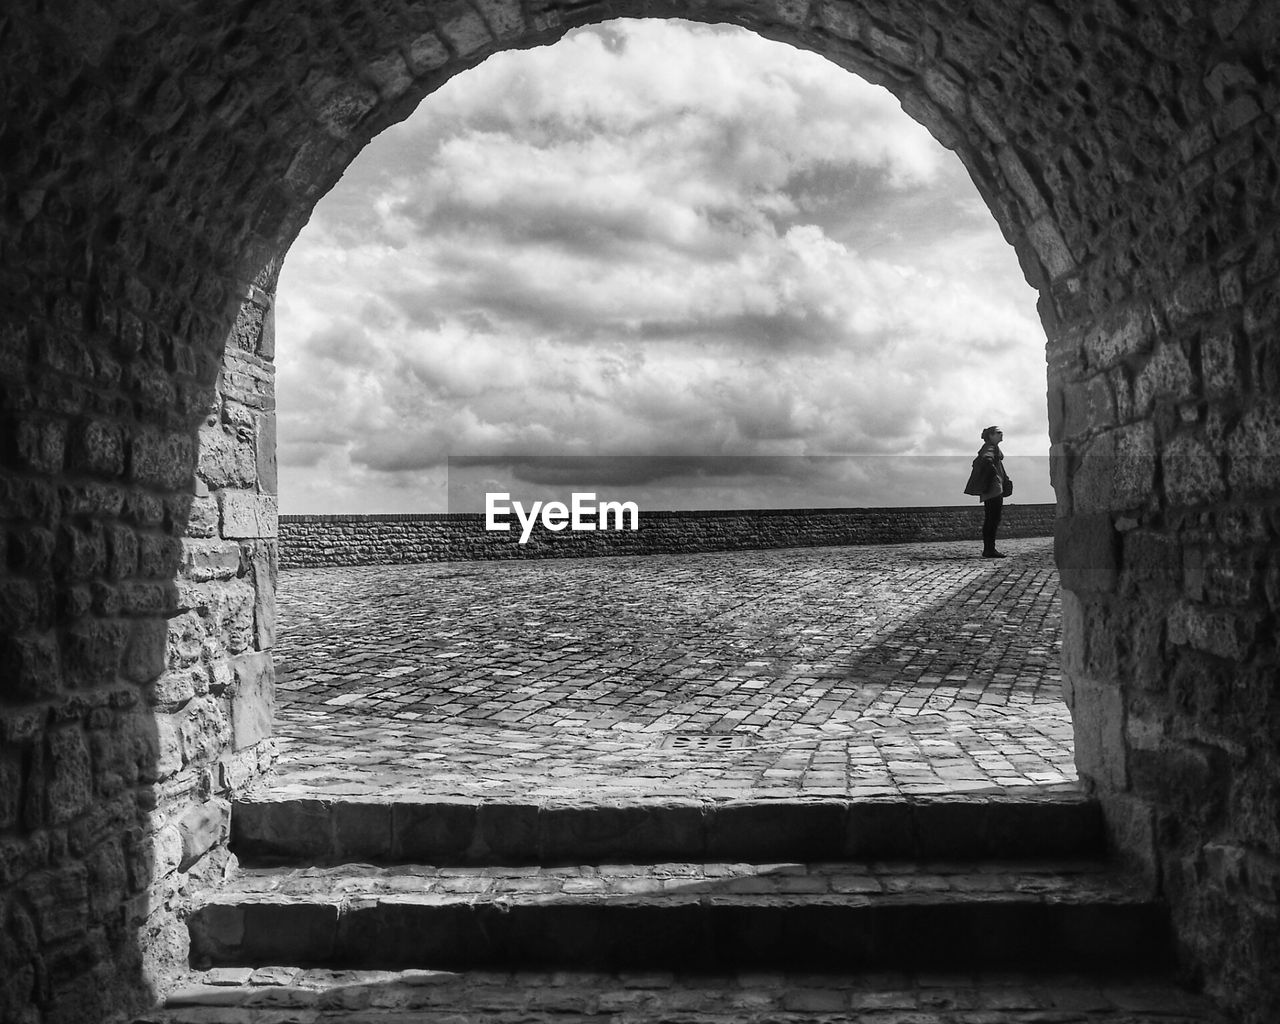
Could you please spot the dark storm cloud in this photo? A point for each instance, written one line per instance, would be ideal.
(785, 329)
(614, 470)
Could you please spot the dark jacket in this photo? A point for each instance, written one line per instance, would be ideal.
(988, 476)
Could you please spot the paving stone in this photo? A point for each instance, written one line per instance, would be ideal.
(863, 671)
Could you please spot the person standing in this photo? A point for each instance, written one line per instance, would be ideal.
(992, 485)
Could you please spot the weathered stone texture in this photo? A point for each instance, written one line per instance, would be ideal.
(395, 539)
(156, 168)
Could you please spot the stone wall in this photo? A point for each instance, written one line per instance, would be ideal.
(159, 156)
(316, 540)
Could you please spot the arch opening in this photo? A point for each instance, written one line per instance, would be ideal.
(162, 164)
(690, 282)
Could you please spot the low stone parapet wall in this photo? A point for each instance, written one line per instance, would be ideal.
(331, 540)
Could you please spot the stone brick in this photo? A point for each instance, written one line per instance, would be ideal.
(264, 437)
(1140, 647)
(107, 878)
(1230, 577)
(164, 757)
(1090, 406)
(38, 446)
(99, 448)
(1021, 181)
(840, 20)
(1225, 633)
(1166, 374)
(177, 686)
(141, 509)
(1119, 336)
(1121, 383)
(462, 27)
(248, 379)
(31, 549)
(203, 561)
(1189, 774)
(184, 640)
(253, 701)
(1253, 452)
(79, 994)
(204, 730)
(81, 553)
(145, 655)
(202, 827)
(113, 755)
(1192, 472)
(1133, 482)
(18, 994)
(502, 16)
(1050, 247)
(1195, 295)
(19, 858)
(247, 515)
(338, 105)
(248, 327)
(225, 460)
(1151, 557)
(1093, 476)
(1237, 526)
(10, 788)
(1099, 720)
(1220, 364)
(29, 666)
(263, 570)
(426, 53)
(91, 652)
(948, 93)
(225, 613)
(267, 339)
(161, 460)
(122, 552)
(1087, 549)
(59, 900)
(70, 783)
(203, 517)
(1202, 682)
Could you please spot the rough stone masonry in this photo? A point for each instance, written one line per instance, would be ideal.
(401, 539)
(160, 155)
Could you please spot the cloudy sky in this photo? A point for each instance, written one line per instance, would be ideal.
(736, 267)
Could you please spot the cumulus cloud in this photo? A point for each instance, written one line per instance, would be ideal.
(651, 239)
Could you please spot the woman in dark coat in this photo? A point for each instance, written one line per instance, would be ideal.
(990, 483)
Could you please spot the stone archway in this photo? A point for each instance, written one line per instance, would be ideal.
(160, 160)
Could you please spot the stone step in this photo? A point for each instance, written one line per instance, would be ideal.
(1061, 916)
(291, 995)
(282, 828)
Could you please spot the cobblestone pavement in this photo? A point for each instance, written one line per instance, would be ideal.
(903, 669)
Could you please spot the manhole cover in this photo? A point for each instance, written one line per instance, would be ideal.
(706, 741)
